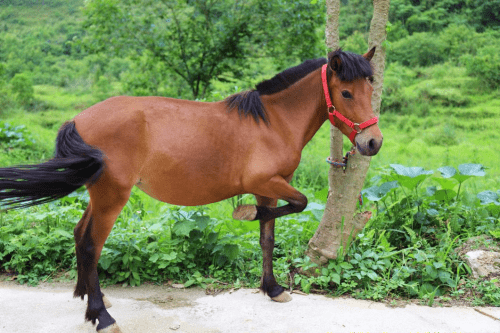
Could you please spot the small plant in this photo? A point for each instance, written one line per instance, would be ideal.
(14, 136)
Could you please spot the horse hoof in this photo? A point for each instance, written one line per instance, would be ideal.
(245, 212)
(106, 301)
(110, 329)
(282, 298)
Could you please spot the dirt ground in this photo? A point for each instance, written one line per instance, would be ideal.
(51, 307)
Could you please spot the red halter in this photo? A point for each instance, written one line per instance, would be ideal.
(356, 128)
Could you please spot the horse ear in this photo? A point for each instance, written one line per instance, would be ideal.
(336, 63)
(369, 55)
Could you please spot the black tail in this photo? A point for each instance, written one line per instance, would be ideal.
(75, 164)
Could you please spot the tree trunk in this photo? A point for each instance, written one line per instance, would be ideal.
(339, 224)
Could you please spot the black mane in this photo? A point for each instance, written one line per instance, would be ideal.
(249, 103)
(352, 65)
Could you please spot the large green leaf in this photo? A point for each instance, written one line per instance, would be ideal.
(444, 195)
(201, 221)
(410, 172)
(376, 193)
(446, 183)
(184, 227)
(471, 169)
(488, 197)
(231, 251)
(468, 170)
(410, 177)
(447, 171)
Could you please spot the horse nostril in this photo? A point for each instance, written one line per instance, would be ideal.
(372, 144)
(370, 147)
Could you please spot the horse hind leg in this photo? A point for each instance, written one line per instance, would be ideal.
(79, 231)
(90, 234)
(268, 283)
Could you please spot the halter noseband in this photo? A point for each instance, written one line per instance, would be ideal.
(356, 128)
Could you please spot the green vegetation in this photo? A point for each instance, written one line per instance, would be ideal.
(440, 109)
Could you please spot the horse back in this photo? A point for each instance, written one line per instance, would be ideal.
(180, 152)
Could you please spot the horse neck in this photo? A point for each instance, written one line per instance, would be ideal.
(300, 110)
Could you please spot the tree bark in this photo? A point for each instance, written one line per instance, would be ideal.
(339, 224)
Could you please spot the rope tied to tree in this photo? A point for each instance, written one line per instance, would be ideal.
(338, 164)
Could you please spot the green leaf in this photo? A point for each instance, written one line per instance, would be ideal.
(412, 287)
(468, 170)
(432, 212)
(410, 172)
(372, 275)
(444, 195)
(64, 233)
(446, 183)
(105, 262)
(170, 256)
(212, 237)
(472, 169)
(154, 257)
(335, 278)
(184, 227)
(189, 283)
(495, 233)
(437, 264)
(231, 251)
(447, 171)
(410, 177)
(420, 256)
(488, 197)
(376, 193)
(314, 206)
(431, 271)
(201, 221)
(346, 265)
(322, 195)
(411, 233)
(430, 190)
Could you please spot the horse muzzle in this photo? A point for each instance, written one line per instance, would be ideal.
(368, 145)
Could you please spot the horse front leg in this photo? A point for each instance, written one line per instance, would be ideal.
(267, 195)
(268, 283)
(276, 188)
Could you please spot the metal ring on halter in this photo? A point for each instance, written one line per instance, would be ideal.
(356, 127)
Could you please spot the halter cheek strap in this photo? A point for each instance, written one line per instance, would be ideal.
(356, 128)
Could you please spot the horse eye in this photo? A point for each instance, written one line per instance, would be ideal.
(346, 94)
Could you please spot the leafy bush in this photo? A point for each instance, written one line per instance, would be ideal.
(420, 49)
(407, 249)
(173, 247)
(485, 65)
(22, 88)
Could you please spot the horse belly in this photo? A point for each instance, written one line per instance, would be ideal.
(189, 177)
(185, 192)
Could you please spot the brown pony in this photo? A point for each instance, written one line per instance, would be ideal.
(193, 153)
